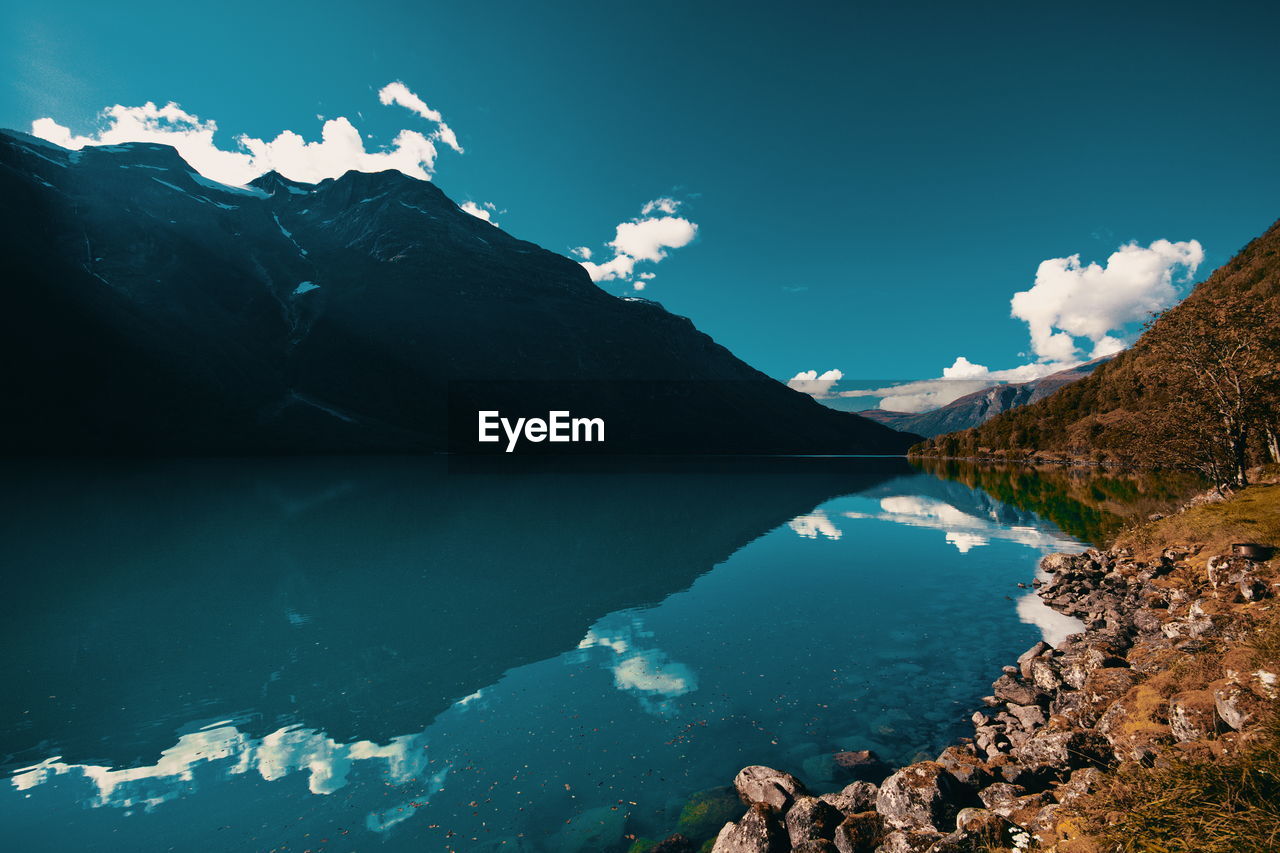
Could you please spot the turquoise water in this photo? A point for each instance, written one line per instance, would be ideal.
(391, 655)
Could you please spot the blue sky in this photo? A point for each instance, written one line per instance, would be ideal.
(872, 182)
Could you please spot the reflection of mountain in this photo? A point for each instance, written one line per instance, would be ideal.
(1089, 504)
(154, 311)
(342, 594)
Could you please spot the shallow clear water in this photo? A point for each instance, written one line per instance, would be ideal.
(390, 655)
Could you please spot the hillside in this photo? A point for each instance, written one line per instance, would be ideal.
(1153, 402)
(150, 310)
(981, 406)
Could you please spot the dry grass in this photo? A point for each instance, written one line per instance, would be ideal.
(1227, 805)
(1253, 515)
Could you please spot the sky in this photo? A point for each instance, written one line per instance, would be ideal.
(845, 188)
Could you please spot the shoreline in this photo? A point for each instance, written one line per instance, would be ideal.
(1162, 674)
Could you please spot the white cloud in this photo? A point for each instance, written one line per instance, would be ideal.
(661, 205)
(483, 211)
(1067, 302)
(1070, 300)
(398, 93)
(644, 239)
(809, 382)
(339, 150)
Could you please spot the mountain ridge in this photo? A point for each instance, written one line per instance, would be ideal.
(156, 311)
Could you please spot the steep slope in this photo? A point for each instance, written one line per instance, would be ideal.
(151, 310)
(981, 406)
(1094, 418)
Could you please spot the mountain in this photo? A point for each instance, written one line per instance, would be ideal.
(1147, 400)
(981, 406)
(151, 310)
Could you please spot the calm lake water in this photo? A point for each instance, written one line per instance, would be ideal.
(354, 654)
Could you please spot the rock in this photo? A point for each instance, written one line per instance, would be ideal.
(1024, 660)
(1044, 674)
(855, 798)
(759, 831)
(1030, 717)
(1086, 780)
(809, 818)
(675, 844)
(923, 795)
(1000, 793)
(1236, 706)
(1193, 715)
(862, 765)
(1065, 750)
(908, 841)
(820, 845)
(1009, 689)
(1052, 563)
(707, 811)
(1023, 810)
(759, 784)
(859, 833)
(1252, 588)
(977, 831)
(596, 829)
(965, 766)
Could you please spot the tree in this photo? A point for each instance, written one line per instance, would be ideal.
(1213, 371)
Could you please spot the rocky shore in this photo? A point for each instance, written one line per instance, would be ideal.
(1132, 690)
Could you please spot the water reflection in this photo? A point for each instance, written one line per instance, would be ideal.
(506, 659)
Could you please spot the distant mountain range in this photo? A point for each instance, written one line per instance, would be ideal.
(981, 406)
(150, 310)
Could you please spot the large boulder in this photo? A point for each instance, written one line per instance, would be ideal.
(860, 833)
(1065, 750)
(1010, 689)
(759, 784)
(1237, 706)
(922, 796)
(759, 831)
(811, 818)
(963, 764)
(856, 797)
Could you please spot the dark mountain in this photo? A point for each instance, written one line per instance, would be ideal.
(149, 309)
(981, 406)
(1110, 413)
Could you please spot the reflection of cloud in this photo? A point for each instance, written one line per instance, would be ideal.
(651, 672)
(815, 523)
(1055, 626)
(963, 530)
(279, 754)
(965, 541)
(384, 820)
(648, 672)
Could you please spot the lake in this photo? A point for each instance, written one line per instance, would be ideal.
(403, 654)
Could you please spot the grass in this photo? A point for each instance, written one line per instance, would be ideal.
(1226, 805)
(1253, 515)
